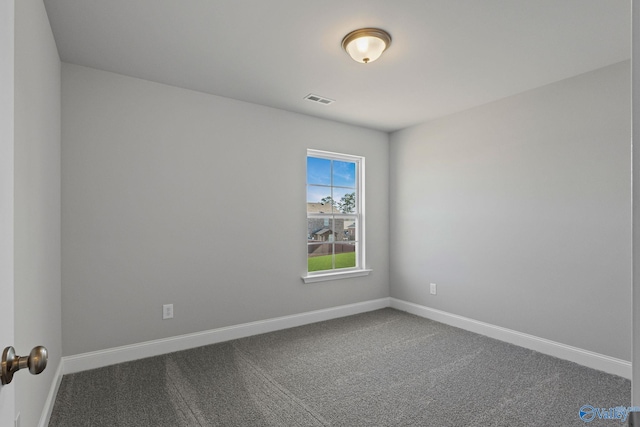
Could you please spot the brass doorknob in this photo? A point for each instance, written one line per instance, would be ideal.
(11, 363)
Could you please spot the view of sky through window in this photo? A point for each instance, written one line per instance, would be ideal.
(329, 179)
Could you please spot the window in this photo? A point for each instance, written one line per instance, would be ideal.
(335, 216)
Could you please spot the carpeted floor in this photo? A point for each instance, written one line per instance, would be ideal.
(383, 368)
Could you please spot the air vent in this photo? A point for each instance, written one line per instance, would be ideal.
(319, 99)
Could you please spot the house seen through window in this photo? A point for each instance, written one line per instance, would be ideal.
(334, 212)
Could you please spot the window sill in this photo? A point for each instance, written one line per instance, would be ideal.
(313, 278)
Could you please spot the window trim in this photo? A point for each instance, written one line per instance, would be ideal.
(324, 276)
(360, 269)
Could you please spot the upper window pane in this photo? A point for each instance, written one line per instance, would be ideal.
(344, 200)
(344, 174)
(318, 171)
(319, 199)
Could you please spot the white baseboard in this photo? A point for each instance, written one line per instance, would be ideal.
(98, 359)
(112, 356)
(51, 397)
(586, 358)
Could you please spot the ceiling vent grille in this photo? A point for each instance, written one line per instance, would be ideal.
(319, 99)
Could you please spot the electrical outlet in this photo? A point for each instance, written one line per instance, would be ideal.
(434, 288)
(167, 311)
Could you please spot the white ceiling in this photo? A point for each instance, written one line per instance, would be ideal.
(446, 55)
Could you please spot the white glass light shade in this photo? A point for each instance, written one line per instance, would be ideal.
(367, 44)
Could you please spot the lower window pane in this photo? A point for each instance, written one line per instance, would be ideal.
(330, 256)
(346, 229)
(319, 257)
(320, 230)
(345, 254)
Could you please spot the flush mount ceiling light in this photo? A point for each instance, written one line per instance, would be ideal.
(366, 44)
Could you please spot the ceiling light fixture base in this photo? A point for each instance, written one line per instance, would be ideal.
(366, 44)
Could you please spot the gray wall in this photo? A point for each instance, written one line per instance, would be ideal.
(520, 212)
(635, 58)
(175, 196)
(37, 202)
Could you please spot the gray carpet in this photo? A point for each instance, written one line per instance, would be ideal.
(383, 368)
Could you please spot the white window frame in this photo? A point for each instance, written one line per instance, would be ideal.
(360, 268)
